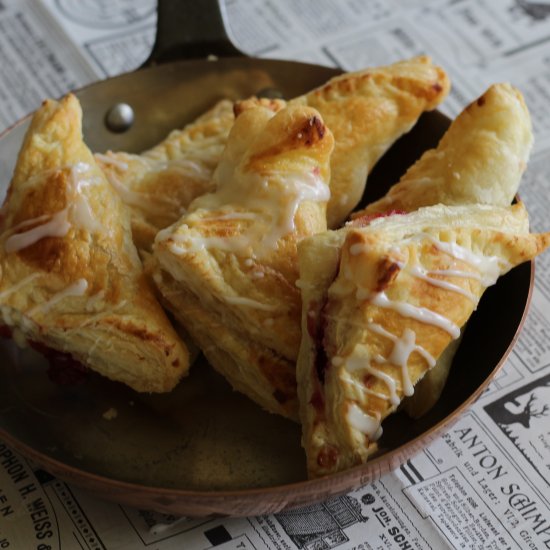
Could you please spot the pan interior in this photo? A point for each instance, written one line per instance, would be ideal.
(204, 436)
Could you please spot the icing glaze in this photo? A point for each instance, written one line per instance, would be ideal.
(78, 213)
(269, 202)
(57, 226)
(422, 314)
(365, 423)
(421, 273)
(78, 288)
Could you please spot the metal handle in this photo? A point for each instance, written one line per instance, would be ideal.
(189, 29)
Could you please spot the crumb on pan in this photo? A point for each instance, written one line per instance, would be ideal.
(110, 414)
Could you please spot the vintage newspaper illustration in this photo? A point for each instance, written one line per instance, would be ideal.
(485, 483)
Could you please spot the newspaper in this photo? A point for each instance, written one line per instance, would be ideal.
(483, 484)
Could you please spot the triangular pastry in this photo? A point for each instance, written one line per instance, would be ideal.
(70, 276)
(367, 111)
(479, 160)
(160, 183)
(380, 304)
(228, 268)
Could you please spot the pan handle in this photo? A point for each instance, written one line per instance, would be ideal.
(189, 29)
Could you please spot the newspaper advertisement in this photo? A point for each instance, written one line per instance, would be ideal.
(485, 483)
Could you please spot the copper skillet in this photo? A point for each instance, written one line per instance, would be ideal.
(203, 449)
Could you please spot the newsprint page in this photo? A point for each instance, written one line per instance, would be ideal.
(483, 484)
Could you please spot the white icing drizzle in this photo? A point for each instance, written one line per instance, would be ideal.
(248, 302)
(488, 266)
(421, 273)
(422, 314)
(361, 387)
(430, 359)
(81, 213)
(78, 288)
(269, 202)
(19, 285)
(399, 356)
(362, 362)
(296, 189)
(365, 423)
(58, 226)
(31, 221)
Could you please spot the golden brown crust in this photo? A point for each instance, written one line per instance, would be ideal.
(480, 159)
(235, 251)
(159, 184)
(382, 306)
(273, 104)
(71, 278)
(367, 111)
(272, 381)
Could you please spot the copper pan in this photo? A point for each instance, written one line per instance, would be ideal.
(203, 449)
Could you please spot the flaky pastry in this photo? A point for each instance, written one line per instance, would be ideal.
(70, 276)
(367, 112)
(160, 183)
(479, 160)
(381, 303)
(228, 268)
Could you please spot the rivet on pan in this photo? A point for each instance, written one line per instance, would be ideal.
(271, 93)
(119, 117)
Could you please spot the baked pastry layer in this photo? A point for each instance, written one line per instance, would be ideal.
(367, 111)
(380, 305)
(70, 276)
(233, 256)
(479, 160)
(159, 184)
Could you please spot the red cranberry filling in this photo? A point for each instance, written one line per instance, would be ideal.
(63, 368)
(362, 221)
(317, 402)
(316, 325)
(328, 456)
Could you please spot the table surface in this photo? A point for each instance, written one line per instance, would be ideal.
(486, 482)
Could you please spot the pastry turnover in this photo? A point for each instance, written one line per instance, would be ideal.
(367, 112)
(381, 303)
(159, 184)
(479, 160)
(70, 276)
(228, 268)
